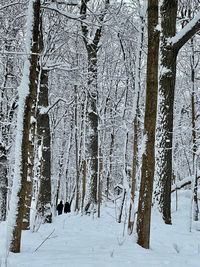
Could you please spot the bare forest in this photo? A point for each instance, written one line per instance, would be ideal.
(99, 104)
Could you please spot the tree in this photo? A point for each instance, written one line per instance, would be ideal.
(26, 111)
(44, 140)
(8, 96)
(166, 95)
(92, 47)
(148, 158)
(136, 118)
(171, 43)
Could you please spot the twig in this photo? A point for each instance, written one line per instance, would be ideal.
(45, 240)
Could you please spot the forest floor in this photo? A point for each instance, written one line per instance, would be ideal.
(84, 241)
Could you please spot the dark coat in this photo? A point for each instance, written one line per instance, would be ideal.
(60, 208)
(67, 207)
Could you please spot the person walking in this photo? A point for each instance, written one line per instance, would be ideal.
(67, 207)
(60, 208)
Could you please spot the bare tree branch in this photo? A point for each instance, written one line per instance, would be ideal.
(186, 33)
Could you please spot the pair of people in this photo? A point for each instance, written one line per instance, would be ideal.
(60, 208)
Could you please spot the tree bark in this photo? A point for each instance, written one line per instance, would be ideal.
(27, 104)
(44, 141)
(166, 106)
(6, 117)
(194, 135)
(110, 167)
(148, 159)
(3, 186)
(136, 125)
(77, 151)
(170, 46)
(91, 45)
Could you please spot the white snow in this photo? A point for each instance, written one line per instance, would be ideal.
(186, 29)
(84, 241)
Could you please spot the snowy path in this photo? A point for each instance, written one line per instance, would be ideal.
(81, 241)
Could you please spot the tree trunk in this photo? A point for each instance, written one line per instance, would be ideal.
(91, 45)
(77, 151)
(194, 136)
(110, 167)
(27, 104)
(122, 206)
(83, 148)
(136, 125)
(44, 142)
(135, 166)
(29, 182)
(6, 118)
(148, 159)
(166, 106)
(3, 186)
(169, 50)
(84, 184)
(100, 172)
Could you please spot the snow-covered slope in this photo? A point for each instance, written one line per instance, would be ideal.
(84, 241)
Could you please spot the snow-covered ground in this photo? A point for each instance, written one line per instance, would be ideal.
(84, 241)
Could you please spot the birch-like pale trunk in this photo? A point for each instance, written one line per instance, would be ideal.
(131, 217)
(126, 135)
(6, 118)
(77, 197)
(83, 150)
(100, 172)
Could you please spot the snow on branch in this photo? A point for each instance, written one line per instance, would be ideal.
(70, 15)
(65, 14)
(9, 5)
(47, 109)
(4, 52)
(67, 2)
(60, 66)
(182, 183)
(186, 33)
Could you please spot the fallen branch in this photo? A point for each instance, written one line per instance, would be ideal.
(48, 237)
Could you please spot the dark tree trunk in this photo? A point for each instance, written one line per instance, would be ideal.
(110, 165)
(169, 51)
(166, 106)
(3, 186)
(44, 141)
(92, 131)
(148, 159)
